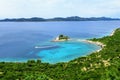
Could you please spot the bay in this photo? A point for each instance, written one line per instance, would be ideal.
(18, 40)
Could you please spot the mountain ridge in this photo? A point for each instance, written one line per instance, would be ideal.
(72, 18)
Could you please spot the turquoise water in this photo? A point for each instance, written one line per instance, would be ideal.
(18, 40)
(67, 51)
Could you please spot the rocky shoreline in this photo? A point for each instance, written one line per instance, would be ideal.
(61, 38)
(58, 40)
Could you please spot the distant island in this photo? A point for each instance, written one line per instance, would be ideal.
(61, 38)
(73, 18)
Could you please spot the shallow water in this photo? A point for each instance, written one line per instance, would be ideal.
(18, 40)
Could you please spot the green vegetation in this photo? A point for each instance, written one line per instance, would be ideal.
(63, 37)
(103, 65)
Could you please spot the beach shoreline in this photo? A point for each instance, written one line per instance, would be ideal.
(88, 41)
(112, 33)
(99, 43)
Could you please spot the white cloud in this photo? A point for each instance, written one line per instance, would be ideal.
(53, 8)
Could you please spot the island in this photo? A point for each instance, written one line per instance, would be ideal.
(61, 38)
(71, 18)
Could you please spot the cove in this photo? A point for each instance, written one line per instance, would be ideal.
(18, 40)
(66, 51)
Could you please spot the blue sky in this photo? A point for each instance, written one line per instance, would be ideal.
(59, 8)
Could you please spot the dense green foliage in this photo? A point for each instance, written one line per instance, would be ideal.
(63, 37)
(103, 65)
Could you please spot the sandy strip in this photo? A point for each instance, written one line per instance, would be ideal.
(99, 43)
(112, 33)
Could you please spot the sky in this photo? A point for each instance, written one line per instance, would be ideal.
(59, 8)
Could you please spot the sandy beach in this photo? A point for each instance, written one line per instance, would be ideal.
(99, 43)
(112, 33)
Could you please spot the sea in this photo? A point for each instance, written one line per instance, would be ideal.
(23, 41)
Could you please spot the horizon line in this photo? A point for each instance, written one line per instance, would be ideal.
(59, 17)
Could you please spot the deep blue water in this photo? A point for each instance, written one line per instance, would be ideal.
(18, 40)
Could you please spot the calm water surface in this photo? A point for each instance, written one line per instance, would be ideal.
(18, 40)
